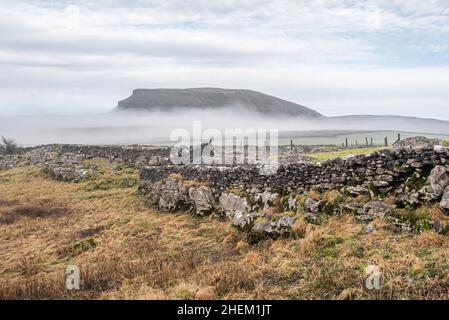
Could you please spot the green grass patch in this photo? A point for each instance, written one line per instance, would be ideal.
(323, 156)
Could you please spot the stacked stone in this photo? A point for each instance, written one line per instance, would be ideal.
(381, 172)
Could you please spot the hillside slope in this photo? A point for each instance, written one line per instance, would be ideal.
(394, 123)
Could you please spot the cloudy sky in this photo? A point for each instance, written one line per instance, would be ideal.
(336, 56)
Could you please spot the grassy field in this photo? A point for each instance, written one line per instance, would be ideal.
(322, 138)
(128, 251)
(322, 156)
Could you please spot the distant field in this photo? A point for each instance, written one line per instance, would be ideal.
(339, 137)
(322, 156)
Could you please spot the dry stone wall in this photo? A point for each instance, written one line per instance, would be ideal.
(130, 155)
(245, 197)
(380, 172)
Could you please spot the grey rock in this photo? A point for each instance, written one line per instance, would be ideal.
(68, 173)
(274, 228)
(373, 210)
(202, 199)
(266, 197)
(232, 204)
(9, 162)
(245, 221)
(416, 143)
(436, 183)
(411, 199)
(313, 206)
(173, 195)
(292, 204)
(154, 161)
(356, 191)
(351, 208)
(444, 204)
(381, 184)
(370, 229)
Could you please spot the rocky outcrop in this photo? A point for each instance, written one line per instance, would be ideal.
(356, 191)
(368, 211)
(169, 195)
(174, 193)
(416, 143)
(245, 221)
(202, 199)
(137, 156)
(69, 173)
(232, 205)
(9, 161)
(373, 210)
(272, 228)
(436, 183)
(313, 206)
(444, 203)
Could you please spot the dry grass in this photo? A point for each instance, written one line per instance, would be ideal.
(128, 251)
(40, 209)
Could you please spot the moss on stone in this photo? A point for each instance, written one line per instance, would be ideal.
(417, 180)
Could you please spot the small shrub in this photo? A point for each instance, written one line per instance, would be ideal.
(84, 245)
(184, 295)
(194, 184)
(29, 266)
(176, 176)
(8, 146)
(313, 194)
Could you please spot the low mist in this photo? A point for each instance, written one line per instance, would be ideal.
(155, 127)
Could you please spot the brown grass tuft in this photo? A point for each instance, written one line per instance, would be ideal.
(42, 209)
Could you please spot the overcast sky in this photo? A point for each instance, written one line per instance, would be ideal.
(336, 56)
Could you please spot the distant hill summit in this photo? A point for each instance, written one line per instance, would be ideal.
(212, 98)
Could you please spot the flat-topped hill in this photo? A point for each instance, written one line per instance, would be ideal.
(212, 98)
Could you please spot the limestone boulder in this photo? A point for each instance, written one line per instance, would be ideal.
(232, 204)
(313, 206)
(444, 204)
(202, 200)
(173, 195)
(245, 221)
(373, 210)
(437, 182)
(272, 228)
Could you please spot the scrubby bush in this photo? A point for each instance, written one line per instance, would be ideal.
(8, 146)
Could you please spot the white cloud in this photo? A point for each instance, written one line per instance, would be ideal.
(334, 55)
